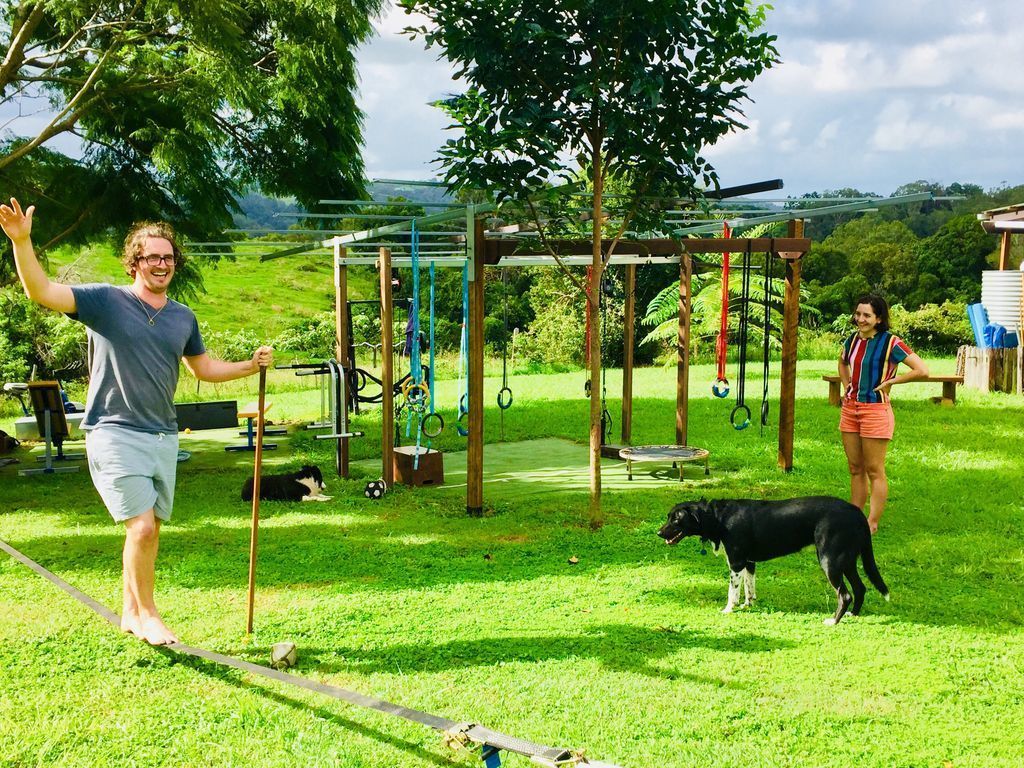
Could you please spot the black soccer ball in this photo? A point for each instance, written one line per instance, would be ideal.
(375, 489)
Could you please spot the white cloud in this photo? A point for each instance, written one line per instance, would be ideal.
(827, 135)
(900, 130)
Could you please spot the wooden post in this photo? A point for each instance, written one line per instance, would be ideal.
(387, 370)
(1004, 250)
(341, 342)
(475, 439)
(683, 348)
(787, 375)
(627, 354)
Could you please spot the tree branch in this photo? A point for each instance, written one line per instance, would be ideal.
(21, 31)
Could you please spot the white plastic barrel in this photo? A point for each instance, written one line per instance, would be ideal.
(1001, 296)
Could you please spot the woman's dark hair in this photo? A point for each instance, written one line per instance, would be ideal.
(879, 306)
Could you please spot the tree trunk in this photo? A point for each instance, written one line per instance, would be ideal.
(594, 353)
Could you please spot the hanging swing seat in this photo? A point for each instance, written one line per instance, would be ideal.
(677, 455)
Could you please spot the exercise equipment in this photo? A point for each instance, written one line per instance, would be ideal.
(505, 393)
(48, 406)
(337, 400)
(740, 416)
(678, 455)
(767, 331)
(720, 388)
(251, 413)
(463, 404)
(18, 390)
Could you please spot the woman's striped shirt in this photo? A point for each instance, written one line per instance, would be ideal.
(871, 362)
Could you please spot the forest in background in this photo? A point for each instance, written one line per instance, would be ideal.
(925, 258)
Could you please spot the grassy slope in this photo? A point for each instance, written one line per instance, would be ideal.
(280, 290)
(624, 653)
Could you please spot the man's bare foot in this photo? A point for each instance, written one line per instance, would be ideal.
(130, 623)
(153, 630)
(873, 525)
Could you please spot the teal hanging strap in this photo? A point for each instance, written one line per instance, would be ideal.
(416, 392)
(433, 422)
(463, 405)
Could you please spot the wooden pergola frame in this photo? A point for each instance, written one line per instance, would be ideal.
(503, 252)
(1005, 222)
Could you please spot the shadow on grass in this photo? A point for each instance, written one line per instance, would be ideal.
(232, 677)
(617, 647)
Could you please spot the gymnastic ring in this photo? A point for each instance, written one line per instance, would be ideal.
(720, 391)
(505, 398)
(586, 388)
(764, 413)
(463, 431)
(432, 433)
(732, 417)
(464, 404)
(416, 394)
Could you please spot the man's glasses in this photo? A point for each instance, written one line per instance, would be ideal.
(154, 260)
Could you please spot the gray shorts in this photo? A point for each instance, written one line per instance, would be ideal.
(133, 471)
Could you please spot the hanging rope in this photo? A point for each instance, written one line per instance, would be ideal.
(742, 410)
(586, 338)
(721, 386)
(767, 335)
(607, 292)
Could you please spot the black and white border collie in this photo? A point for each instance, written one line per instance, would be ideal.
(305, 485)
(751, 531)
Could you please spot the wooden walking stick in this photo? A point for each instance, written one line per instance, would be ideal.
(254, 536)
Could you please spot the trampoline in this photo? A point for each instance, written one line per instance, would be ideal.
(678, 455)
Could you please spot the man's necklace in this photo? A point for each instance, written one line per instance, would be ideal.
(151, 318)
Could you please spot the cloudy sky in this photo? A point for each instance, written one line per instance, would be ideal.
(870, 94)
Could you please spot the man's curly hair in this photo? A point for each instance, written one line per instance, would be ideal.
(135, 242)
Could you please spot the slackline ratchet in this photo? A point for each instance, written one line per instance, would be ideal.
(456, 734)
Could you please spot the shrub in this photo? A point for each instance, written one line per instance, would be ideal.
(936, 328)
(230, 345)
(33, 337)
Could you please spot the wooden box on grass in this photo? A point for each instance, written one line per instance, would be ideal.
(428, 471)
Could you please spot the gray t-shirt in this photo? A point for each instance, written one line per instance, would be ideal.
(135, 364)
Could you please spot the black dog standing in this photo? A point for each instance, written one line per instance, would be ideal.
(752, 531)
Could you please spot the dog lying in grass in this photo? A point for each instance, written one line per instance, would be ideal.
(305, 485)
(751, 531)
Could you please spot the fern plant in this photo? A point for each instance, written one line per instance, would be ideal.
(706, 303)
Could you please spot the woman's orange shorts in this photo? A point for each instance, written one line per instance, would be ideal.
(867, 419)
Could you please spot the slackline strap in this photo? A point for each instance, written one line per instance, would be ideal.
(455, 731)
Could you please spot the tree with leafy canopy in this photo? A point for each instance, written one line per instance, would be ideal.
(176, 108)
(632, 89)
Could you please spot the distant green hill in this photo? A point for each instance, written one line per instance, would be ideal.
(241, 293)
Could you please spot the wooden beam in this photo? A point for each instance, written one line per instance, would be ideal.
(341, 345)
(387, 370)
(627, 353)
(497, 248)
(790, 326)
(475, 439)
(683, 349)
(1004, 250)
(794, 245)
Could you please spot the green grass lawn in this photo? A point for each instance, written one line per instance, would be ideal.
(485, 620)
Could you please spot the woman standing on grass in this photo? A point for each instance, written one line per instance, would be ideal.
(867, 368)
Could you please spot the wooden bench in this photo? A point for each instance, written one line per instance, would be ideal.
(948, 388)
